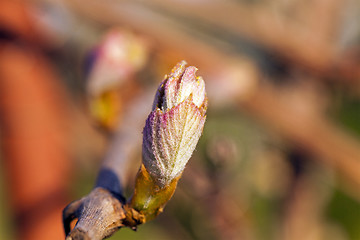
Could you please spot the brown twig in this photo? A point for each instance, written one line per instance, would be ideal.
(102, 212)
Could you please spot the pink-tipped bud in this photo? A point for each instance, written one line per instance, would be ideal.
(175, 124)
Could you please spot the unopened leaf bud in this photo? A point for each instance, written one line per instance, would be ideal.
(170, 135)
(175, 124)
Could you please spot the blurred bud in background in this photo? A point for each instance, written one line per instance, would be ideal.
(109, 67)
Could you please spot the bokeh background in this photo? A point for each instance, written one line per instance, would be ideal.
(280, 154)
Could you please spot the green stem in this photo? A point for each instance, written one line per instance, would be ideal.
(149, 199)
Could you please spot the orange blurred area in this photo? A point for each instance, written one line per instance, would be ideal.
(280, 154)
(34, 140)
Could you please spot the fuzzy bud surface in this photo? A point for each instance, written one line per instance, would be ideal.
(175, 124)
